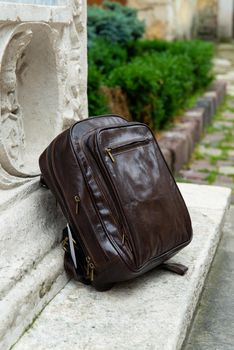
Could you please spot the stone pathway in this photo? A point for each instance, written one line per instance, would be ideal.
(213, 324)
(213, 159)
(213, 163)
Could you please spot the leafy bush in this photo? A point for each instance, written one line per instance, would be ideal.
(106, 57)
(156, 86)
(140, 47)
(114, 23)
(157, 76)
(97, 100)
(200, 53)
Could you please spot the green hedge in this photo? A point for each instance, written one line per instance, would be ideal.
(156, 86)
(157, 76)
(106, 57)
(200, 53)
(114, 23)
(96, 100)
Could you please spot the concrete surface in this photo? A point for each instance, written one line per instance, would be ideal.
(152, 312)
(213, 326)
(31, 260)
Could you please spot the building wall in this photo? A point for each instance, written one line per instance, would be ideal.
(207, 19)
(170, 19)
(98, 2)
(167, 19)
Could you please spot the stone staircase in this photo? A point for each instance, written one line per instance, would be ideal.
(152, 312)
(31, 259)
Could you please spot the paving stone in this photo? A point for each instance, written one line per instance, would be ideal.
(207, 104)
(223, 124)
(227, 170)
(221, 163)
(194, 125)
(228, 115)
(209, 151)
(213, 138)
(230, 103)
(201, 165)
(222, 62)
(220, 87)
(196, 176)
(222, 180)
(228, 144)
(179, 146)
(197, 114)
(168, 156)
(212, 97)
(230, 90)
(230, 153)
(230, 76)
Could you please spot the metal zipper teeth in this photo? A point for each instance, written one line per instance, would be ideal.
(111, 207)
(119, 205)
(63, 204)
(112, 150)
(91, 194)
(131, 144)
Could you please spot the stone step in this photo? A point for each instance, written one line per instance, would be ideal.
(151, 312)
(31, 259)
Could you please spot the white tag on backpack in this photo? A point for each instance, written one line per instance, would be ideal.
(71, 244)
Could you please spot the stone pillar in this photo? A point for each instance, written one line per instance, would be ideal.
(225, 19)
(42, 80)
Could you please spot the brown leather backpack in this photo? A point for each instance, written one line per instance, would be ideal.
(124, 210)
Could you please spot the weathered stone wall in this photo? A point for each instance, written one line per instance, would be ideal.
(170, 19)
(206, 19)
(42, 81)
(167, 19)
(225, 19)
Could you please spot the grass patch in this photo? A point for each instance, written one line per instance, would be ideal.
(228, 136)
(212, 177)
(225, 147)
(197, 155)
(214, 159)
(204, 170)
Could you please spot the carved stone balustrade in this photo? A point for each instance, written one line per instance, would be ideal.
(42, 80)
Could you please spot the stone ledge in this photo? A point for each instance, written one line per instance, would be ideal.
(152, 312)
(181, 139)
(31, 262)
(29, 296)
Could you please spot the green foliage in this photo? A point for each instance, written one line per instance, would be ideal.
(106, 57)
(114, 23)
(143, 46)
(157, 76)
(97, 100)
(199, 52)
(156, 86)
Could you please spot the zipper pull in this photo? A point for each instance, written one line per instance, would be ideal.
(90, 268)
(123, 239)
(91, 271)
(108, 151)
(77, 200)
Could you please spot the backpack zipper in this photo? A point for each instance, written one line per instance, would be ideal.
(124, 146)
(77, 201)
(90, 268)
